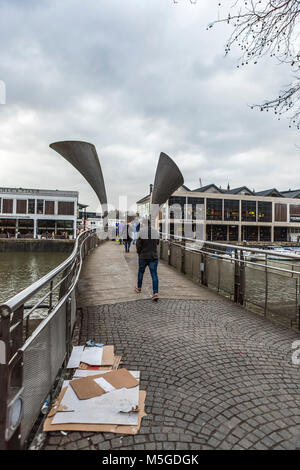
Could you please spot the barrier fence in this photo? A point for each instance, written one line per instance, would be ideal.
(264, 280)
(30, 361)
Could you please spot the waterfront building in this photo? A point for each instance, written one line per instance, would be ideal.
(36, 213)
(230, 215)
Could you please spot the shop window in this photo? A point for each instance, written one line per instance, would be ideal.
(176, 207)
(249, 211)
(214, 209)
(231, 209)
(40, 206)
(31, 206)
(195, 208)
(264, 211)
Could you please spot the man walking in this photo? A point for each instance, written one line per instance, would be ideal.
(146, 247)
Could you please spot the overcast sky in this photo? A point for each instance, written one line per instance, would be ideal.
(136, 77)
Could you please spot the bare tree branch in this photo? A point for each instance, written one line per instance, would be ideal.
(268, 27)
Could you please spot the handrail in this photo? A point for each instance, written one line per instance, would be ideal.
(217, 255)
(234, 247)
(20, 298)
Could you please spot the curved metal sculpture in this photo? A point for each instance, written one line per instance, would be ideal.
(83, 156)
(168, 178)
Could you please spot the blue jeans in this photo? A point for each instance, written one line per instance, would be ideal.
(127, 246)
(143, 263)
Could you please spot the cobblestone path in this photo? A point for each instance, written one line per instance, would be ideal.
(216, 376)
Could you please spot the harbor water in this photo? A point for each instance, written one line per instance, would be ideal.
(19, 270)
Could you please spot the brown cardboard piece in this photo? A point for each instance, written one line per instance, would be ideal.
(108, 356)
(120, 378)
(117, 360)
(113, 428)
(86, 387)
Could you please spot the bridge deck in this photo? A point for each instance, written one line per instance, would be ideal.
(216, 375)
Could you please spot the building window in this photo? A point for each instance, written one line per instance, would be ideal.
(280, 213)
(40, 206)
(195, 208)
(233, 233)
(280, 234)
(49, 207)
(231, 209)
(21, 206)
(265, 233)
(31, 206)
(249, 211)
(176, 207)
(264, 211)
(294, 213)
(45, 226)
(250, 233)
(65, 208)
(214, 209)
(7, 206)
(219, 232)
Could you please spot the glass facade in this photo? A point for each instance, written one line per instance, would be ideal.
(233, 233)
(265, 234)
(195, 208)
(40, 206)
(249, 211)
(264, 211)
(250, 233)
(214, 209)
(31, 206)
(231, 209)
(176, 207)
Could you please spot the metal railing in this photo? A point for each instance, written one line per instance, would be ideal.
(266, 281)
(31, 360)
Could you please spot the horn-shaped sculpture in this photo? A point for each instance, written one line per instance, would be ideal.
(168, 179)
(83, 156)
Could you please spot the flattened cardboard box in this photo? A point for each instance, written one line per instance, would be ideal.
(86, 387)
(117, 360)
(117, 429)
(102, 356)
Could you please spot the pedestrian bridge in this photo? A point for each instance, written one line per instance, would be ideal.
(217, 375)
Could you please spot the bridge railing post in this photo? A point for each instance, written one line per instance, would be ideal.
(11, 377)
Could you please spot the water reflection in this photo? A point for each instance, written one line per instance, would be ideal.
(19, 270)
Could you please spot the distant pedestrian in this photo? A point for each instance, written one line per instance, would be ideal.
(146, 247)
(121, 226)
(127, 236)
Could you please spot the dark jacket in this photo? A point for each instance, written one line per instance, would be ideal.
(146, 244)
(126, 234)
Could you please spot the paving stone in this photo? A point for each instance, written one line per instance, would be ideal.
(207, 395)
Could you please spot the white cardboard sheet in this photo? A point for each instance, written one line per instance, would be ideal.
(89, 355)
(75, 357)
(88, 373)
(111, 408)
(92, 356)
